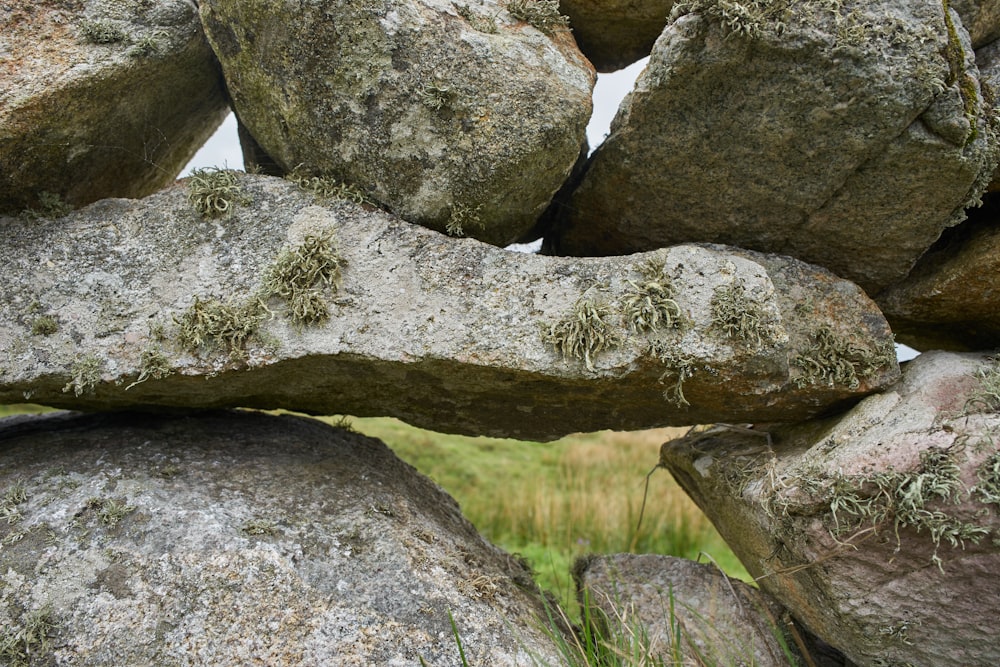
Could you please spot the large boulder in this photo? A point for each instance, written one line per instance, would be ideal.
(101, 99)
(682, 612)
(951, 299)
(286, 300)
(460, 117)
(846, 136)
(878, 529)
(615, 33)
(241, 538)
(981, 18)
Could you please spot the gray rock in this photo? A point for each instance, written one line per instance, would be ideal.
(101, 98)
(683, 612)
(951, 299)
(453, 115)
(335, 307)
(838, 136)
(981, 18)
(615, 33)
(243, 538)
(877, 529)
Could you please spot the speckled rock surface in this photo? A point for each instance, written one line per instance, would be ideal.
(951, 299)
(981, 18)
(615, 33)
(128, 303)
(836, 136)
(101, 98)
(238, 538)
(451, 115)
(877, 529)
(715, 621)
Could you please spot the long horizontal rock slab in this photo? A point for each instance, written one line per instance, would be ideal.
(327, 306)
(878, 529)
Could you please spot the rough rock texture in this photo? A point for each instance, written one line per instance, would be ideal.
(878, 529)
(981, 19)
(988, 62)
(145, 303)
(841, 137)
(951, 299)
(689, 610)
(241, 538)
(453, 116)
(614, 34)
(101, 98)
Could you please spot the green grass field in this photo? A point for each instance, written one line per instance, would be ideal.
(554, 502)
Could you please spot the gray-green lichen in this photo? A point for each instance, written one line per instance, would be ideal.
(325, 187)
(50, 205)
(987, 397)
(747, 18)
(486, 24)
(109, 510)
(214, 192)
(103, 31)
(902, 499)
(44, 325)
(585, 331)
(833, 359)
(84, 375)
(739, 316)
(28, 641)
(678, 368)
(649, 304)
(210, 323)
(153, 365)
(435, 96)
(988, 473)
(15, 495)
(300, 274)
(462, 218)
(542, 14)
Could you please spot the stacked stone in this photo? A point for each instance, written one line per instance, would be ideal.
(786, 181)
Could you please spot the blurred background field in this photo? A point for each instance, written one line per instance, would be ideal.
(554, 502)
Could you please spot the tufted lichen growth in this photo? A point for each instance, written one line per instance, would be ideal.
(325, 187)
(739, 316)
(678, 367)
(463, 217)
(987, 397)
(748, 19)
(102, 32)
(903, 500)
(834, 360)
(153, 365)
(212, 323)
(86, 373)
(214, 192)
(585, 331)
(543, 14)
(650, 305)
(28, 642)
(299, 275)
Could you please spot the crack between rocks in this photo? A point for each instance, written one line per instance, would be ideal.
(872, 155)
